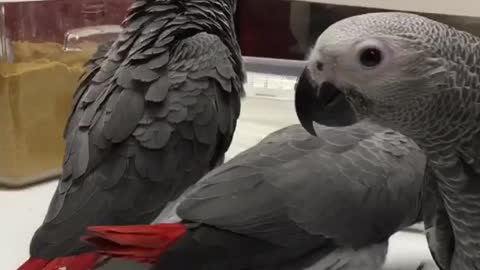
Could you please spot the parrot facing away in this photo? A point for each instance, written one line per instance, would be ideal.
(292, 201)
(421, 78)
(154, 112)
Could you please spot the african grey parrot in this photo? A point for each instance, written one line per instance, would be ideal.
(151, 116)
(421, 78)
(291, 201)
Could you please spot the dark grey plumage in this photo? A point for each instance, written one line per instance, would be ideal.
(149, 119)
(293, 200)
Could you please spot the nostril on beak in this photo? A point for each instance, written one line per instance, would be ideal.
(319, 66)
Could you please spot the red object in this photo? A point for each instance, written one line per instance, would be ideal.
(80, 262)
(141, 243)
(50, 20)
(264, 29)
(33, 264)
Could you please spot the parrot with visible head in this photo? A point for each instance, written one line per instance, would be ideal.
(422, 78)
(156, 110)
(293, 201)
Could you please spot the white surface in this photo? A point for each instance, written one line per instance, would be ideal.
(22, 211)
(459, 7)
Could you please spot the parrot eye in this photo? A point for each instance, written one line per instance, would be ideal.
(371, 57)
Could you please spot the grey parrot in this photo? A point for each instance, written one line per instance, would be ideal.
(422, 78)
(293, 201)
(155, 111)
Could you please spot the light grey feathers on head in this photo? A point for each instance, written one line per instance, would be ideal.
(419, 62)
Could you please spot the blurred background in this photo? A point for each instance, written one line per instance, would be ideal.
(45, 43)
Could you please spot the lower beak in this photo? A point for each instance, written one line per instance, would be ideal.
(324, 104)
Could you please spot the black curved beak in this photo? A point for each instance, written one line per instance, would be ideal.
(324, 104)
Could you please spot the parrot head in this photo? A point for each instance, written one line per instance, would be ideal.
(370, 65)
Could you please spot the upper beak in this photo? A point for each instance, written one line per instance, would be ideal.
(323, 104)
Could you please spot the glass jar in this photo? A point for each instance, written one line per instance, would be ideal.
(43, 47)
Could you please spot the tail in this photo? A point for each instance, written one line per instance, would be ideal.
(141, 243)
(79, 262)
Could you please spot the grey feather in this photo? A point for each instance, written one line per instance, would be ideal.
(125, 116)
(157, 92)
(144, 74)
(156, 135)
(177, 116)
(159, 62)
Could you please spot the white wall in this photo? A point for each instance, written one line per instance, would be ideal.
(457, 7)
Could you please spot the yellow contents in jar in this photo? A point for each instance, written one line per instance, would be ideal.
(35, 100)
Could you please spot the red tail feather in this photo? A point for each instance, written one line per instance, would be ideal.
(141, 243)
(80, 262)
(33, 264)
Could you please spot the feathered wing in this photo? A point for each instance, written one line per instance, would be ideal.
(351, 186)
(149, 122)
